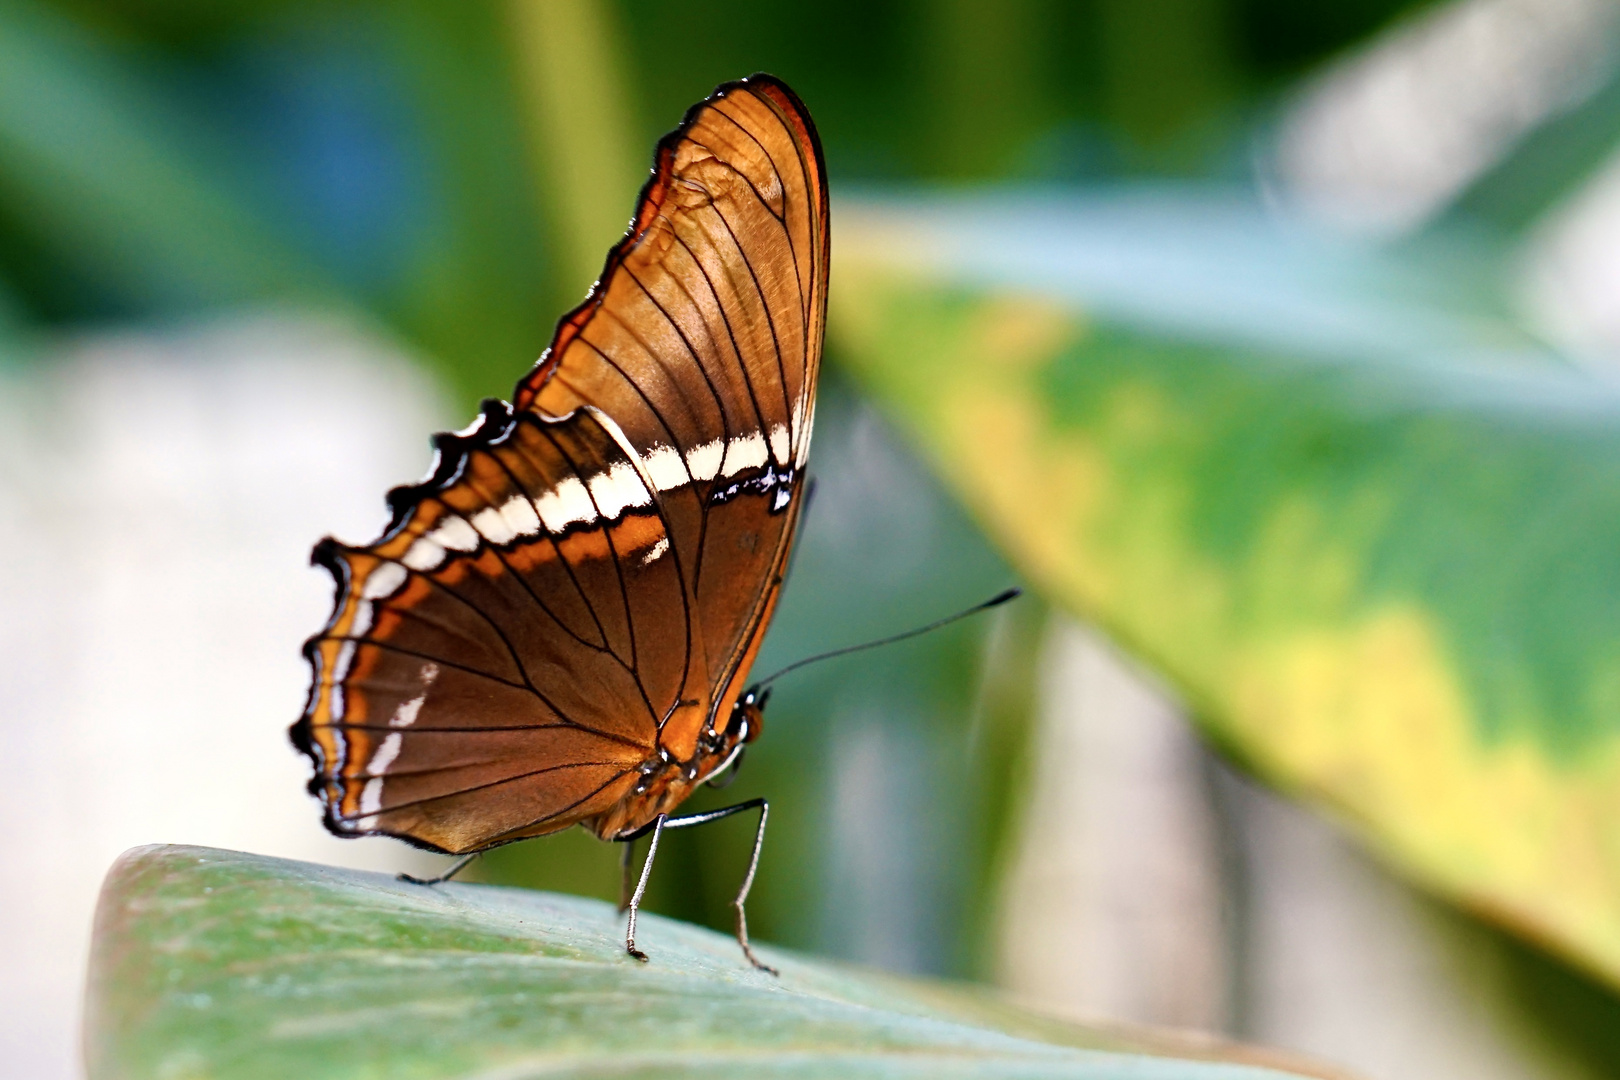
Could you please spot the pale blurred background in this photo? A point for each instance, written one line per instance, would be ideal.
(251, 254)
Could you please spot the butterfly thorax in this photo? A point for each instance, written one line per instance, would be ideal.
(664, 780)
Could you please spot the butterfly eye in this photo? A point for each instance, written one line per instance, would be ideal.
(752, 700)
(746, 720)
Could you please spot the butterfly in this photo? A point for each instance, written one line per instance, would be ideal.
(557, 625)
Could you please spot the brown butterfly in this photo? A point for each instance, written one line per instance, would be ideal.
(557, 624)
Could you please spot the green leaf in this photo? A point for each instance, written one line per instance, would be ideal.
(1363, 523)
(220, 964)
(112, 180)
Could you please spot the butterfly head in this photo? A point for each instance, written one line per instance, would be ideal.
(747, 720)
(748, 715)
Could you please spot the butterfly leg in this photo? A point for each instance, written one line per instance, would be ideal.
(627, 862)
(764, 809)
(748, 883)
(457, 867)
(641, 886)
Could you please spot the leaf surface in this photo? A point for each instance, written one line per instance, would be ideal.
(1364, 523)
(212, 963)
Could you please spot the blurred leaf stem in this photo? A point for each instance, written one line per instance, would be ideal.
(985, 92)
(582, 138)
(1165, 66)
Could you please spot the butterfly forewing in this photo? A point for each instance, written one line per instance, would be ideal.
(703, 341)
(580, 586)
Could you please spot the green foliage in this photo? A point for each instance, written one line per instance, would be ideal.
(119, 193)
(213, 963)
(163, 158)
(1378, 565)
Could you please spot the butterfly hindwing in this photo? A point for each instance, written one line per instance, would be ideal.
(514, 640)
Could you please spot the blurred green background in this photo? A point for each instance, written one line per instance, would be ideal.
(450, 174)
(167, 157)
(162, 159)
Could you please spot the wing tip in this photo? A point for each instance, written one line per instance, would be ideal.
(785, 101)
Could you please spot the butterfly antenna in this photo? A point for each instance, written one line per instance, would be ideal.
(995, 601)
